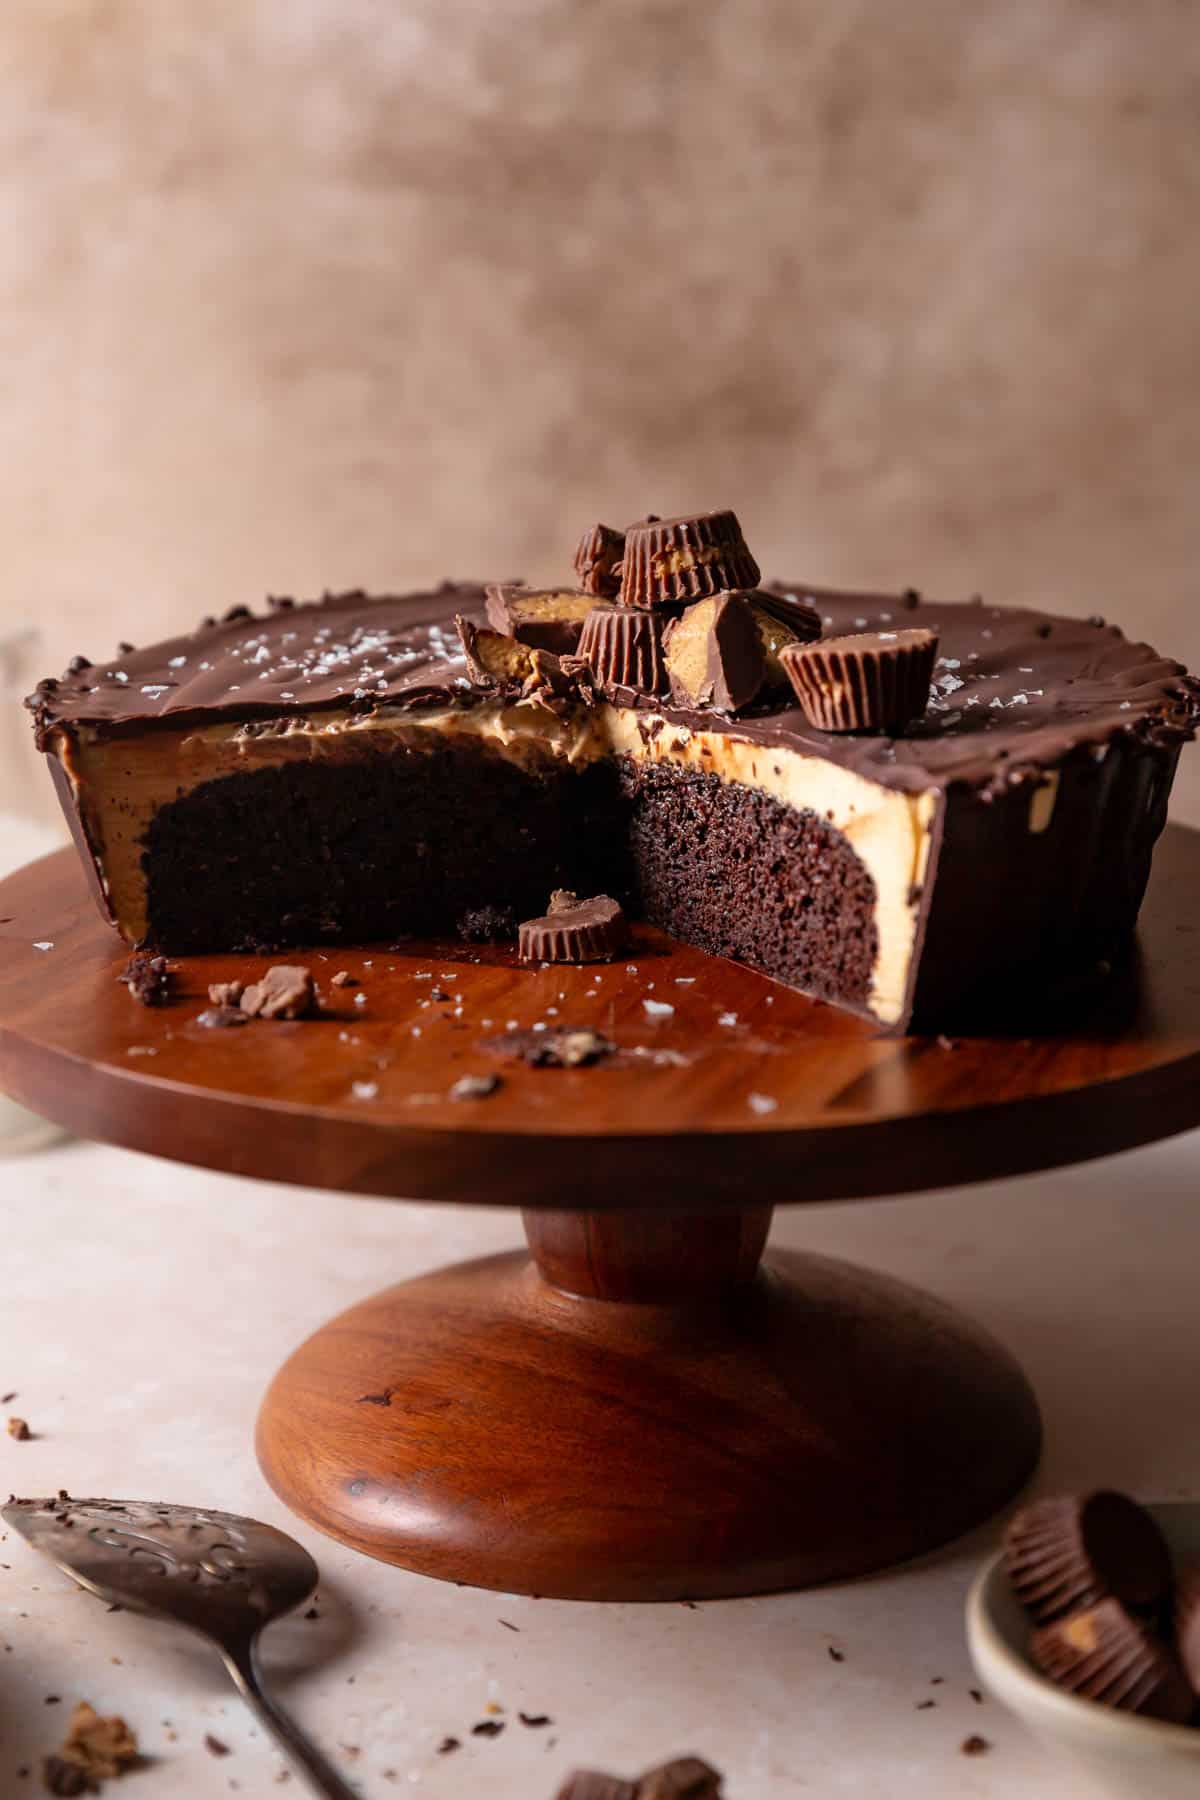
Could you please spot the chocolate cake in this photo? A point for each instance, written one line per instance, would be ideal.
(332, 772)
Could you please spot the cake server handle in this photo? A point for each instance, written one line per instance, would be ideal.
(242, 1662)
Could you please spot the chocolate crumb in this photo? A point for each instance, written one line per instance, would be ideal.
(488, 925)
(53, 1700)
(222, 1017)
(312, 1613)
(343, 978)
(66, 1778)
(590, 1784)
(7, 1399)
(835, 1655)
(535, 1721)
(98, 1749)
(489, 1728)
(475, 1087)
(975, 1745)
(448, 1745)
(685, 1778)
(924, 1705)
(508, 1627)
(148, 978)
(976, 1696)
(17, 1428)
(568, 1047)
(214, 1746)
(383, 1398)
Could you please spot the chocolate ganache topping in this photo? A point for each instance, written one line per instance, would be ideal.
(1013, 690)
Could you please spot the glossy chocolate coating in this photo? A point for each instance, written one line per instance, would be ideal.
(1013, 690)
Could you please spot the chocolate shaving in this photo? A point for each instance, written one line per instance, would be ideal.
(489, 1728)
(214, 1746)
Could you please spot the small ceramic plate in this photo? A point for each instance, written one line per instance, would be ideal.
(1136, 1759)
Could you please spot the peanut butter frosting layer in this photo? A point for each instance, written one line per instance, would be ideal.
(1014, 691)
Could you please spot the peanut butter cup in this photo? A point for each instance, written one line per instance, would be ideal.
(1102, 1653)
(598, 561)
(714, 654)
(574, 931)
(623, 648)
(1070, 1551)
(671, 560)
(543, 618)
(781, 622)
(875, 681)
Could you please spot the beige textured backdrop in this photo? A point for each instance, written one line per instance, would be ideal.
(309, 292)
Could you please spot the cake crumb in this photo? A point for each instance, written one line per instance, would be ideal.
(286, 991)
(19, 1429)
(94, 1750)
(149, 978)
(475, 1087)
(214, 1746)
(975, 1745)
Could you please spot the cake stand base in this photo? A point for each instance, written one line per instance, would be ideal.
(639, 1411)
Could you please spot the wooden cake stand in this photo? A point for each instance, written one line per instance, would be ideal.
(639, 1409)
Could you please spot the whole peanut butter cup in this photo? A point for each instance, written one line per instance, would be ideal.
(876, 681)
(624, 648)
(543, 618)
(715, 656)
(1103, 1653)
(598, 561)
(671, 560)
(1074, 1550)
(574, 931)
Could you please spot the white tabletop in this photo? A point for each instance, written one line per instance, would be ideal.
(146, 1305)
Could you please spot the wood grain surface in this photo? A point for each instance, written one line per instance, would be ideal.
(744, 1093)
(647, 1436)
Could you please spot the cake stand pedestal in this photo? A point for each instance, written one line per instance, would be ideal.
(644, 1406)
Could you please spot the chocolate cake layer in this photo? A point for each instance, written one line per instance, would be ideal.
(742, 875)
(1011, 827)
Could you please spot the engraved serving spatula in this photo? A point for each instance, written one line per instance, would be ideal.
(223, 1576)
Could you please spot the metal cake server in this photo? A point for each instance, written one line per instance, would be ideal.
(223, 1576)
